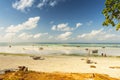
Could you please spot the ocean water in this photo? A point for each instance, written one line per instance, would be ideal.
(76, 48)
(115, 45)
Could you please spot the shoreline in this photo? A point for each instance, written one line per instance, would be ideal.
(110, 51)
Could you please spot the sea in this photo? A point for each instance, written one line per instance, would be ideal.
(107, 48)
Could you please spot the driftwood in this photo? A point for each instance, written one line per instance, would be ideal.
(10, 46)
(37, 58)
(94, 51)
(7, 70)
(92, 66)
(20, 68)
(115, 67)
(23, 68)
(90, 62)
(41, 48)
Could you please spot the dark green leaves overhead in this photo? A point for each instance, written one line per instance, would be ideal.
(112, 13)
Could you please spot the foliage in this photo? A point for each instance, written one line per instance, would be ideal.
(112, 13)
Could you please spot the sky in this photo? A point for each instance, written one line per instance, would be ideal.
(55, 21)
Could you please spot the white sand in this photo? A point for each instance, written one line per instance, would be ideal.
(62, 64)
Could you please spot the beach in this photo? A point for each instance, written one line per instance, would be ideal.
(60, 40)
(66, 64)
(62, 58)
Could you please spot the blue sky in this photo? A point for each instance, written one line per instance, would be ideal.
(54, 21)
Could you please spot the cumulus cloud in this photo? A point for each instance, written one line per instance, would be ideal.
(78, 25)
(22, 4)
(64, 36)
(25, 5)
(50, 37)
(25, 36)
(65, 27)
(9, 35)
(39, 35)
(90, 35)
(1, 28)
(98, 35)
(108, 37)
(29, 24)
(51, 3)
(62, 27)
(54, 27)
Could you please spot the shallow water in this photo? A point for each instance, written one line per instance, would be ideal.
(55, 48)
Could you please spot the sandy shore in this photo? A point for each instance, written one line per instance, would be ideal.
(63, 64)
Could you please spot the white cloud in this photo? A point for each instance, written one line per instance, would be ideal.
(65, 27)
(25, 36)
(64, 36)
(106, 37)
(62, 27)
(1, 28)
(91, 35)
(50, 37)
(1, 37)
(9, 35)
(98, 35)
(78, 25)
(39, 35)
(51, 3)
(54, 27)
(22, 4)
(30, 24)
